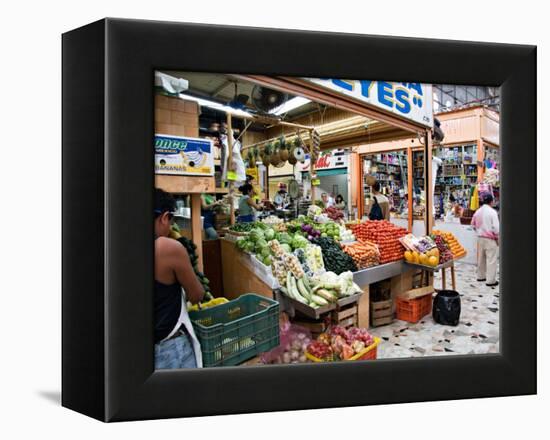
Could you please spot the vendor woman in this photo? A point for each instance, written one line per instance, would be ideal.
(247, 206)
(208, 202)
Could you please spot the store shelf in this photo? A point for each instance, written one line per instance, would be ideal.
(378, 273)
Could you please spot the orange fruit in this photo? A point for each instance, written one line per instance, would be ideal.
(423, 259)
(408, 256)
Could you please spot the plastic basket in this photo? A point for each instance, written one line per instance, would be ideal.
(369, 353)
(413, 310)
(234, 332)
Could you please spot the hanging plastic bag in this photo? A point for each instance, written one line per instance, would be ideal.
(446, 308)
(474, 201)
(237, 170)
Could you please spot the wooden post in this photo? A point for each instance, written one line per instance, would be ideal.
(428, 181)
(410, 169)
(196, 227)
(229, 166)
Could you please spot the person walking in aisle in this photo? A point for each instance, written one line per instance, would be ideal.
(379, 207)
(487, 226)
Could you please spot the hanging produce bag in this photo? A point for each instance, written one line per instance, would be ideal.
(237, 169)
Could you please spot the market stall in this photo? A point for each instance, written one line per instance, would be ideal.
(316, 263)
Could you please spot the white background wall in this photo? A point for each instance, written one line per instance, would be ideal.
(31, 212)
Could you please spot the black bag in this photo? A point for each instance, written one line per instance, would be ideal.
(446, 307)
(376, 211)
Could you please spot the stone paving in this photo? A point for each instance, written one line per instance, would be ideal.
(477, 332)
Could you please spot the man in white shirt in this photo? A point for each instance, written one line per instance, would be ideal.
(486, 223)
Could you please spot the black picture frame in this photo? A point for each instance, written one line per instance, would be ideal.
(108, 181)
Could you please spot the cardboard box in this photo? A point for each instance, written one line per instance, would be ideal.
(166, 102)
(191, 107)
(187, 119)
(178, 130)
(163, 116)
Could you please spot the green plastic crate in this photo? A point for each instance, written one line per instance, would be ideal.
(234, 332)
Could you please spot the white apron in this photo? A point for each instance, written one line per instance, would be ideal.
(186, 322)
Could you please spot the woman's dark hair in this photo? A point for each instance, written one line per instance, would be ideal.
(339, 198)
(452, 198)
(245, 189)
(249, 178)
(376, 186)
(164, 202)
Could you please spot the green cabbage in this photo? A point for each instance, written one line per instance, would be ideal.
(286, 247)
(269, 234)
(299, 241)
(256, 235)
(285, 238)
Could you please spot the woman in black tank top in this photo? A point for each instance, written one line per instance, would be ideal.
(167, 308)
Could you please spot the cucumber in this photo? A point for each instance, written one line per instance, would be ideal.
(306, 284)
(296, 292)
(318, 300)
(288, 277)
(323, 293)
(297, 295)
(302, 289)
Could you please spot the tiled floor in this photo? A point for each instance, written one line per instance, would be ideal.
(477, 332)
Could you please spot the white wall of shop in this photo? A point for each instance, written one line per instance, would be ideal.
(31, 246)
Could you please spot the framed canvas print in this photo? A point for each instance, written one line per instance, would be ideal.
(261, 220)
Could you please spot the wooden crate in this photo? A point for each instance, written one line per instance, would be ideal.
(381, 312)
(346, 316)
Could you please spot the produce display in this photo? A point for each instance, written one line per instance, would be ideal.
(334, 214)
(445, 253)
(272, 220)
(303, 285)
(256, 242)
(335, 259)
(314, 210)
(346, 236)
(311, 259)
(293, 347)
(242, 227)
(364, 253)
(457, 249)
(192, 251)
(429, 258)
(385, 235)
(339, 344)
